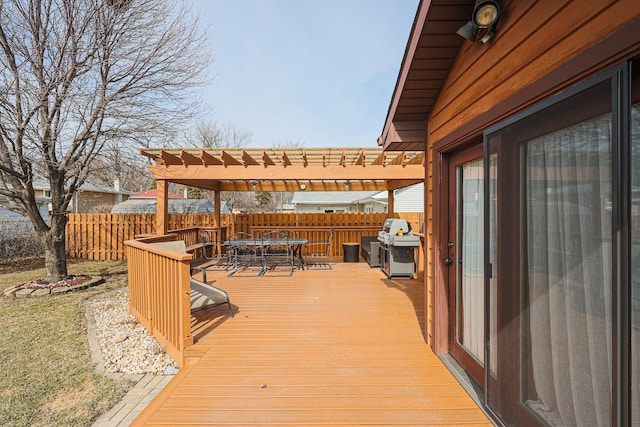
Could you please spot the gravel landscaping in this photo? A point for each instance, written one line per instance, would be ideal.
(126, 345)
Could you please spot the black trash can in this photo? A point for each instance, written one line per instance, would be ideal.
(351, 252)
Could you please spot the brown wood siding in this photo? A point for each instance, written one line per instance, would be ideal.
(429, 272)
(541, 47)
(534, 39)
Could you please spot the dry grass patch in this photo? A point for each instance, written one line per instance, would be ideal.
(48, 378)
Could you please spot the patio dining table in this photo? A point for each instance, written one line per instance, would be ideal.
(296, 244)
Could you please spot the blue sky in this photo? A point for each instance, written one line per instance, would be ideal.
(316, 72)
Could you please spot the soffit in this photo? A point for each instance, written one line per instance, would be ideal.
(429, 56)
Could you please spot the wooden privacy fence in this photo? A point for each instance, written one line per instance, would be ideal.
(102, 236)
(159, 294)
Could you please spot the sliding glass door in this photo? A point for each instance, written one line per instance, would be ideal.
(566, 274)
(551, 261)
(634, 207)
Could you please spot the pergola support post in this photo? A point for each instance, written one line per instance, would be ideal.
(216, 208)
(390, 204)
(162, 207)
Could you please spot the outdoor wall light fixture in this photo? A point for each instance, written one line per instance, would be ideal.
(303, 186)
(483, 22)
(346, 186)
(255, 185)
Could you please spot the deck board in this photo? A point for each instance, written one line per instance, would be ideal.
(336, 347)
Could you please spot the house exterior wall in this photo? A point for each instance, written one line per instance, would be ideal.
(521, 66)
(94, 202)
(535, 39)
(541, 48)
(310, 208)
(409, 199)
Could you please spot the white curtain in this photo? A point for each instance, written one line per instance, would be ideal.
(635, 264)
(471, 280)
(567, 275)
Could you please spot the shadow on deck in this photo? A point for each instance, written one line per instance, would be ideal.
(326, 347)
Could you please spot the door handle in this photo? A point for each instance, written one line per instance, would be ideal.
(448, 261)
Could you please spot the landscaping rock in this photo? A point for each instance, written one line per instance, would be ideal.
(28, 291)
(119, 338)
(139, 352)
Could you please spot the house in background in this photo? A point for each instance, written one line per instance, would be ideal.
(406, 199)
(145, 202)
(337, 201)
(153, 193)
(286, 208)
(529, 116)
(90, 198)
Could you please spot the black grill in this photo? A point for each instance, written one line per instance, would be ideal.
(397, 247)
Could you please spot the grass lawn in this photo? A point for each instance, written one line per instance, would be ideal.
(47, 378)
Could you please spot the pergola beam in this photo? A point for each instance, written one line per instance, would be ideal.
(229, 160)
(381, 159)
(267, 160)
(208, 159)
(285, 159)
(189, 159)
(170, 159)
(396, 184)
(198, 183)
(312, 172)
(290, 186)
(248, 160)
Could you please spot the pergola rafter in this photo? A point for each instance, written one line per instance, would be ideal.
(283, 169)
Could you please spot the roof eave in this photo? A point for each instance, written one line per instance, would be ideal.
(438, 19)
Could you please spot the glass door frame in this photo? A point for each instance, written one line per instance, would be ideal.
(620, 77)
(456, 159)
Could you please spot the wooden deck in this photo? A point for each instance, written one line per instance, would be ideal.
(331, 347)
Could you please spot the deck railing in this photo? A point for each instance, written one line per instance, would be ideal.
(192, 237)
(159, 293)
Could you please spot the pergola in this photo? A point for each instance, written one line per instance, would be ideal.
(281, 169)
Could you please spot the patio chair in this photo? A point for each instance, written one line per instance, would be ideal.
(213, 250)
(316, 253)
(276, 251)
(244, 252)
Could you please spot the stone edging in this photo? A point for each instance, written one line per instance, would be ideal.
(146, 387)
(14, 292)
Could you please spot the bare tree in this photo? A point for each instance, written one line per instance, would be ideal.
(283, 197)
(76, 75)
(227, 135)
(121, 164)
(213, 135)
